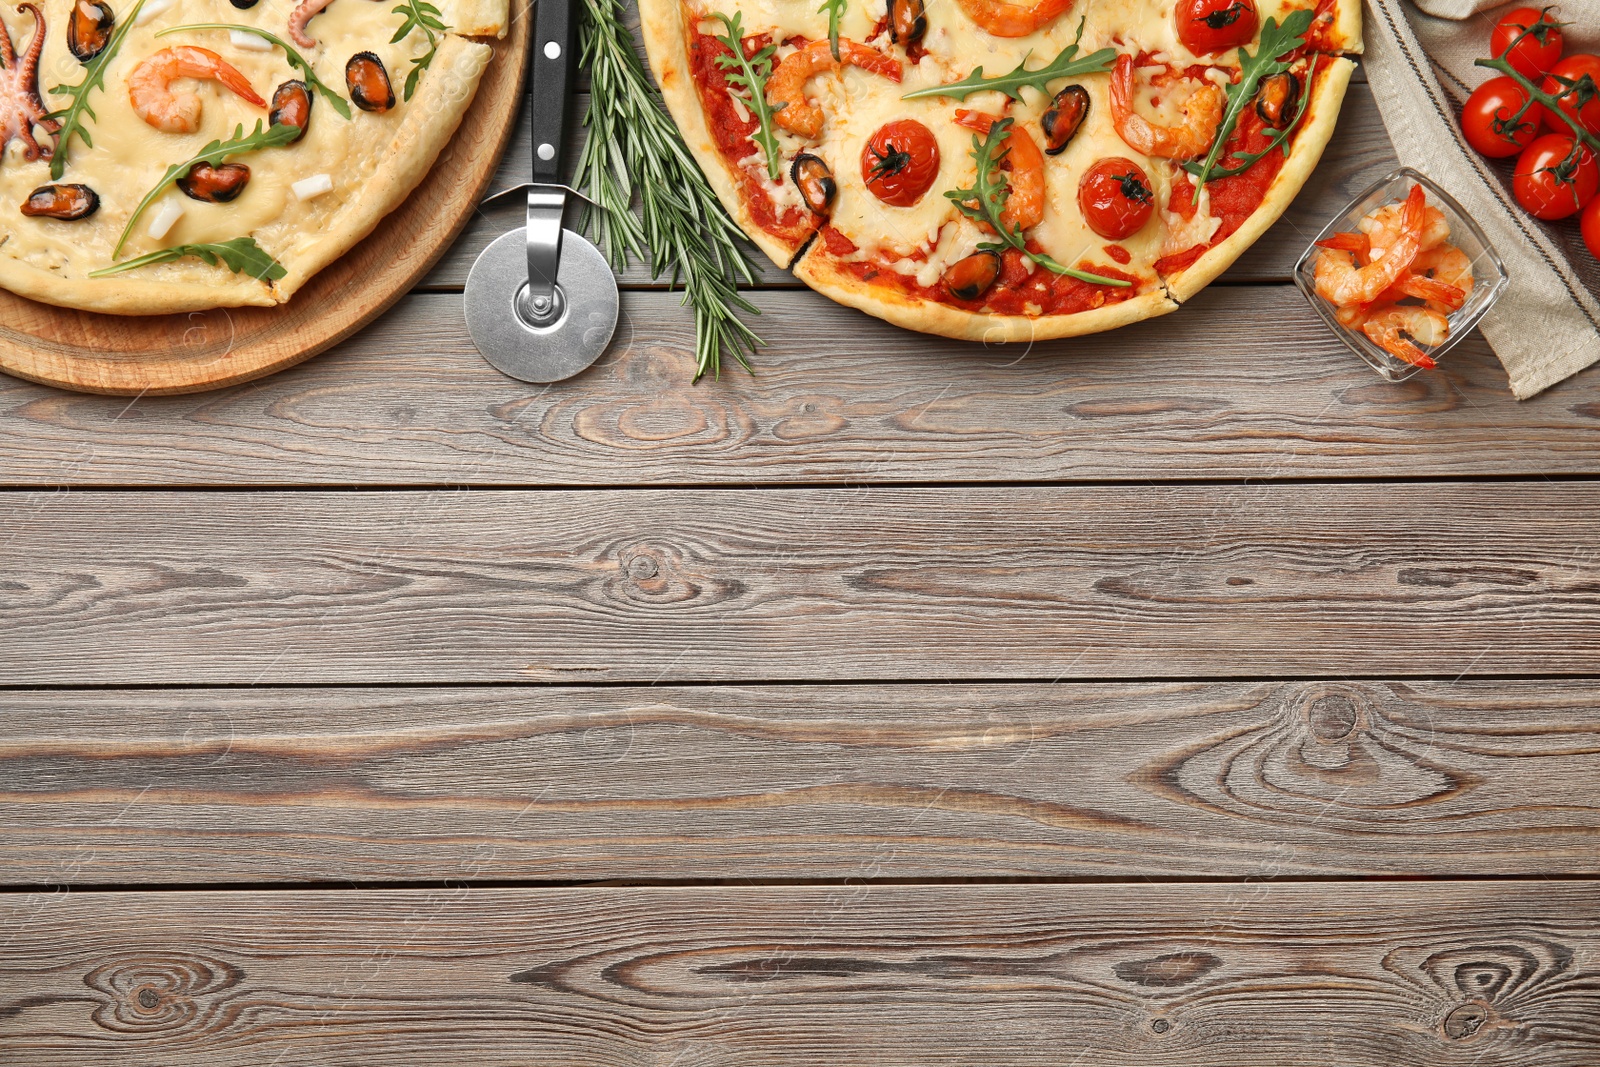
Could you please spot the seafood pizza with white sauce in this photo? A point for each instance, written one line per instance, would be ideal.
(160, 156)
(1000, 170)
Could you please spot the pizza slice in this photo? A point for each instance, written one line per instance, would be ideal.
(160, 173)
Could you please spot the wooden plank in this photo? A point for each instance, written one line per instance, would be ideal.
(1361, 975)
(800, 585)
(1239, 385)
(1358, 155)
(1127, 780)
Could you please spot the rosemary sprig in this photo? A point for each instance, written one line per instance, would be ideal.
(94, 77)
(634, 147)
(240, 255)
(1246, 160)
(419, 15)
(1276, 42)
(212, 154)
(296, 60)
(987, 199)
(750, 73)
(835, 12)
(1064, 65)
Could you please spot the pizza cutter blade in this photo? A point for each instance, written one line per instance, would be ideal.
(541, 303)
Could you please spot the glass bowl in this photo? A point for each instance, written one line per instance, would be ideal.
(1488, 273)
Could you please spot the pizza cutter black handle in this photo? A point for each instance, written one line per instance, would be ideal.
(555, 59)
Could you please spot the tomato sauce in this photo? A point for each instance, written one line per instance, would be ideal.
(732, 135)
(836, 242)
(1020, 284)
(1234, 198)
(1319, 38)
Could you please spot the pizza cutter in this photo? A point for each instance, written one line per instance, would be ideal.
(541, 302)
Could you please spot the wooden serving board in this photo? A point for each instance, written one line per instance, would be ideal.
(193, 352)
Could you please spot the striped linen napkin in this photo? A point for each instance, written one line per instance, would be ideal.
(1546, 326)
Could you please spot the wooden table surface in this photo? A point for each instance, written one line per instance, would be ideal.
(1182, 695)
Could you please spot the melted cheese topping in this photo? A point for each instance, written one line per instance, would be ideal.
(856, 110)
(1199, 228)
(1148, 25)
(922, 240)
(129, 156)
(1063, 232)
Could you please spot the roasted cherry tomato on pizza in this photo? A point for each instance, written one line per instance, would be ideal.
(1498, 119)
(1209, 26)
(1575, 83)
(1116, 198)
(1533, 37)
(900, 162)
(1555, 177)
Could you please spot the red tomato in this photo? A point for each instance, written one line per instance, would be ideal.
(1207, 26)
(1490, 121)
(1591, 227)
(1538, 41)
(1554, 182)
(900, 162)
(1116, 198)
(1575, 82)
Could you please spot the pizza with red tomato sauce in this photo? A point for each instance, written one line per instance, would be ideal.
(1005, 169)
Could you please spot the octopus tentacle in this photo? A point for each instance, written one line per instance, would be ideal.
(30, 68)
(301, 15)
(8, 58)
(30, 61)
(33, 150)
(21, 109)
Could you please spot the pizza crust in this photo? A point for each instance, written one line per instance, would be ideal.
(1322, 115)
(666, 41)
(133, 296)
(928, 316)
(476, 18)
(431, 119)
(1345, 33)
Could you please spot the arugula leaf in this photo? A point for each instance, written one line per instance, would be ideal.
(1276, 41)
(1246, 160)
(1062, 66)
(835, 10)
(71, 117)
(240, 255)
(750, 73)
(987, 199)
(296, 60)
(419, 14)
(213, 153)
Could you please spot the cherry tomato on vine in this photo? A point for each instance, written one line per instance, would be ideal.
(900, 162)
(1591, 227)
(1540, 44)
(1116, 198)
(1555, 177)
(1575, 82)
(1209, 26)
(1489, 120)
